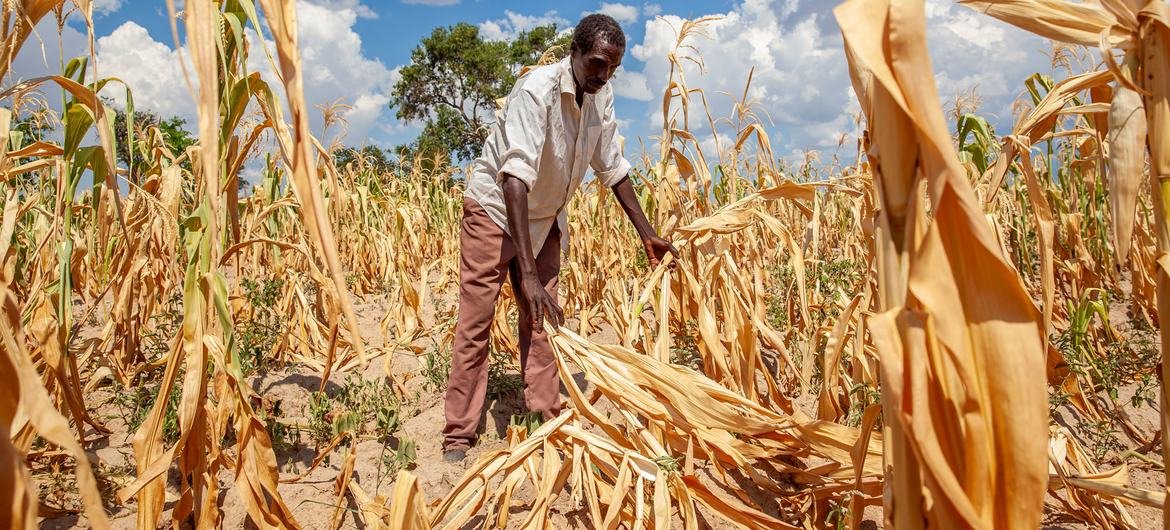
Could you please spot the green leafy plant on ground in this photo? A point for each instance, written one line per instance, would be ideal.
(529, 420)
(402, 457)
(1102, 356)
(164, 325)
(503, 381)
(134, 406)
(361, 407)
(435, 370)
(258, 333)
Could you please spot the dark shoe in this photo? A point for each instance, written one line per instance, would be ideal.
(454, 455)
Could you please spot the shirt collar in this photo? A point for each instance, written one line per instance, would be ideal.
(568, 86)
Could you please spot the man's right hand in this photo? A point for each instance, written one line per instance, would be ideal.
(541, 305)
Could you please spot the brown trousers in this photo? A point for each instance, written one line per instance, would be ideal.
(486, 256)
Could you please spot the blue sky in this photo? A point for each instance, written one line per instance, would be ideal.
(352, 49)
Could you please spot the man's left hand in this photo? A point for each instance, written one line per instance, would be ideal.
(656, 249)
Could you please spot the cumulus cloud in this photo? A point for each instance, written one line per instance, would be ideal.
(624, 14)
(334, 67)
(631, 85)
(360, 9)
(794, 64)
(105, 7)
(513, 23)
(970, 50)
(150, 68)
(652, 10)
(800, 85)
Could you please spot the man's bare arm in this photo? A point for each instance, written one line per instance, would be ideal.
(541, 303)
(656, 247)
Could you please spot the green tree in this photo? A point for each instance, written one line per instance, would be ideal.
(373, 157)
(453, 81)
(177, 138)
(33, 127)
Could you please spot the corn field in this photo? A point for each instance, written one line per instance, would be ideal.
(941, 328)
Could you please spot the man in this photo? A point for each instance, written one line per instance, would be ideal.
(557, 121)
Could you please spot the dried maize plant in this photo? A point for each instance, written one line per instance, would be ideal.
(219, 406)
(1139, 114)
(1093, 496)
(43, 247)
(418, 241)
(1074, 270)
(958, 337)
(205, 334)
(670, 420)
(654, 429)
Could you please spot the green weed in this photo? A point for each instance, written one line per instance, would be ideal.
(257, 334)
(360, 407)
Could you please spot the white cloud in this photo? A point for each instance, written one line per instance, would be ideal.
(631, 85)
(970, 50)
(651, 10)
(362, 10)
(794, 64)
(334, 68)
(513, 23)
(105, 7)
(801, 79)
(622, 13)
(432, 2)
(150, 68)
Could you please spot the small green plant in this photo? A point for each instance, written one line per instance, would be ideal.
(641, 263)
(1058, 398)
(136, 403)
(777, 309)
(361, 406)
(282, 439)
(684, 351)
(501, 380)
(529, 420)
(862, 397)
(1142, 360)
(1146, 391)
(838, 516)
(837, 274)
(346, 422)
(258, 333)
(319, 422)
(1078, 345)
(436, 369)
(403, 457)
(1101, 356)
(1102, 438)
(164, 325)
(55, 486)
(111, 478)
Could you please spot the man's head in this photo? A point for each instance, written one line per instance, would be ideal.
(597, 50)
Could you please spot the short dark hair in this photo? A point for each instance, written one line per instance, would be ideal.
(594, 28)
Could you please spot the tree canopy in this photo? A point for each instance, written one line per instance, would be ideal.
(453, 80)
(370, 157)
(172, 129)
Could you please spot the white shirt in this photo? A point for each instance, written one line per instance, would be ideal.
(538, 139)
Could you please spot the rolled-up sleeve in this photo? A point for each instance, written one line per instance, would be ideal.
(523, 137)
(608, 163)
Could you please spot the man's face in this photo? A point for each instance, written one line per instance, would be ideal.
(593, 69)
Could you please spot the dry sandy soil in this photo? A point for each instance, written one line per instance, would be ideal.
(312, 498)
